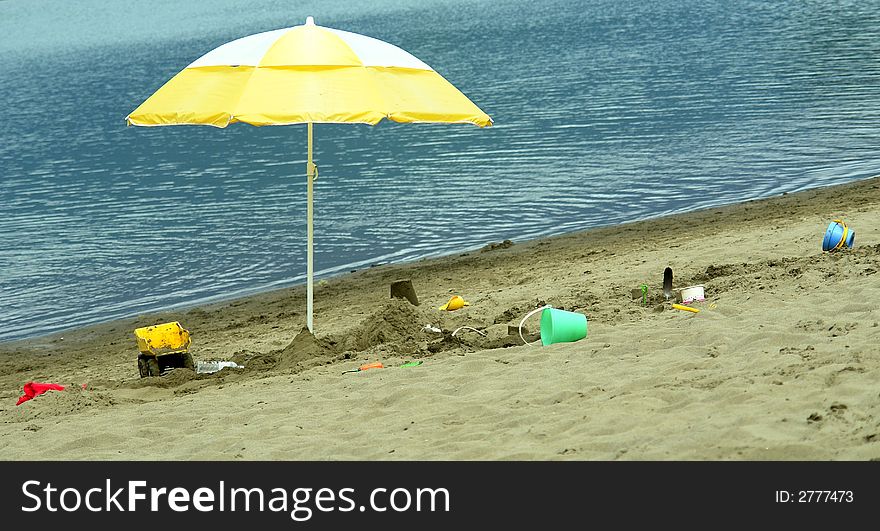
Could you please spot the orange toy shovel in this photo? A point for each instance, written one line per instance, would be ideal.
(376, 365)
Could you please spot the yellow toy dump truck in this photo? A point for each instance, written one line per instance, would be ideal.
(163, 346)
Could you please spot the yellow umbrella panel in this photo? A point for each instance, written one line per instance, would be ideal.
(306, 74)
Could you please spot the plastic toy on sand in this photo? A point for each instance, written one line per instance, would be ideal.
(560, 326)
(557, 326)
(455, 303)
(838, 236)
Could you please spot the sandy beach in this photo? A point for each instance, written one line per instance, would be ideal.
(782, 362)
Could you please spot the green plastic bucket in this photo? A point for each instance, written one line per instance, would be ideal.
(560, 326)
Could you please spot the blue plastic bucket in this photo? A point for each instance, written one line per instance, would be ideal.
(838, 236)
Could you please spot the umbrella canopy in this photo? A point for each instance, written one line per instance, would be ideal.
(306, 74)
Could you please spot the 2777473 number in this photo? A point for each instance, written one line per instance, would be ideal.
(814, 496)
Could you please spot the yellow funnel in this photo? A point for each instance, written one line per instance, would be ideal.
(455, 303)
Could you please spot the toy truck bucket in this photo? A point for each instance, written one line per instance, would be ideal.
(162, 339)
(163, 346)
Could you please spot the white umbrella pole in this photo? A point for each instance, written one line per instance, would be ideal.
(310, 172)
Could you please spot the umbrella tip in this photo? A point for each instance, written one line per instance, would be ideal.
(310, 21)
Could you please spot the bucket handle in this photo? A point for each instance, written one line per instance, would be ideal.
(842, 241)
(536, 310)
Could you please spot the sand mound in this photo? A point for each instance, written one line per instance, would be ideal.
(72, 400)
(255, 361)
(397, 324)
(447, 342)
(305, 351)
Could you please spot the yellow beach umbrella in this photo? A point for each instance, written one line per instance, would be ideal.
(306, 74)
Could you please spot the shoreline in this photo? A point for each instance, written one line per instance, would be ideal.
(221, 299)
(781, 362)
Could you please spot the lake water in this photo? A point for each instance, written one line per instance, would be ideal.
(605, 112)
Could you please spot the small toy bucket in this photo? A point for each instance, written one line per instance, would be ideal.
(691, 294)
(838, 236)
(560, 326)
